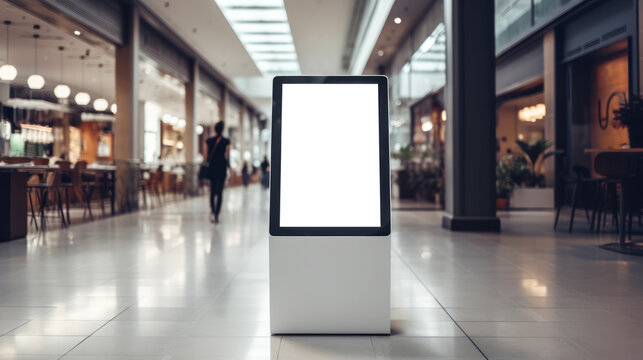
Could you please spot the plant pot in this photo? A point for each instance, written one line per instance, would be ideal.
(502, 204)
(406, 191)
(635, 133)
(532, 198)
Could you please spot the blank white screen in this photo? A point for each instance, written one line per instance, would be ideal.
(330, 174)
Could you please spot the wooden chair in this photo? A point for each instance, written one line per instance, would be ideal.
(85, 185)
(50, 188)
(65, 182)
(156, 184)
(144, 184)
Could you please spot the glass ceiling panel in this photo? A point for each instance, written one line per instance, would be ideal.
(256, 14)
(250, 3)
(275, 56)
(255, 48)
(263, 29)
(265, 38)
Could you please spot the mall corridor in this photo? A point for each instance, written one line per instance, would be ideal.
(321, 179)
(168, 284)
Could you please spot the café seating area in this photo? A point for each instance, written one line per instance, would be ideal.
(610, 199)
(59, 192)
(157, 187)
(56, 189)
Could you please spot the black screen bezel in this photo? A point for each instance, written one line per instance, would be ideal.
(275, 172)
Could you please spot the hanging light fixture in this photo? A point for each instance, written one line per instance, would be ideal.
(8, 72)
(36, 81)
(82, 98)
(100, 104)
(113, 108)
(62, 91)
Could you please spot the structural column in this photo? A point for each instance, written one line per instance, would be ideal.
(128, 129)
(223, 106)
(242, 131)
(470, 105)
(549, 91)
(190, 143)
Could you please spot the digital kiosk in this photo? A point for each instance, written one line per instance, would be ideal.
(330, 216)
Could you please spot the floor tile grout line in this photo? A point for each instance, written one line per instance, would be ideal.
(16, 328)
(439, 303)
(281, 339)
(94, 332)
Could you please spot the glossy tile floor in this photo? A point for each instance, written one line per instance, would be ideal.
(167, 284)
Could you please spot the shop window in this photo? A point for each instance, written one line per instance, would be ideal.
(598, 79)
(520, 119)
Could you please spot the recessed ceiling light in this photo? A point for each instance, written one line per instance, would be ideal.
(263, 28)
(380, 53)
(397, 20)
(77, 32)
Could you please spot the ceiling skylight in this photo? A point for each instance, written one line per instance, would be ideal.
(262, 26)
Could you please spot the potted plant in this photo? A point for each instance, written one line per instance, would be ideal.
(535, 153)
(405, 155)
(531, 192)
(630, 115)
(438, 192)
(504, 184)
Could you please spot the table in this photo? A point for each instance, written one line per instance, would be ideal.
(13, 194)
(638, 152)
(13, 204)
(109, 180)
(615, 150)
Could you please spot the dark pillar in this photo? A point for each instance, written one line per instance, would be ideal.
(470, 155)
(191, 181)
(128, 128)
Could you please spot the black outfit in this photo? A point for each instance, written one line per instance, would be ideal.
(217, 168)
(245, 176)
(266, 174)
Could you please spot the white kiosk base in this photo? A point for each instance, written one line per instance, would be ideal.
(330, 285)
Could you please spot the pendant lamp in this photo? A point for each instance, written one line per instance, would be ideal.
(36, 81)
(8, 72)
(82, 98)
(62, 91)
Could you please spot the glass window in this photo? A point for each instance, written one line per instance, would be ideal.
(423, 74)
(543, 9)
(512, 18)
(428, 64)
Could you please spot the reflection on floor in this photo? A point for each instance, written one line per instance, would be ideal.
(167, 284)
(408, 204)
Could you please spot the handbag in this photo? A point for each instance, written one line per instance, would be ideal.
(204, 170)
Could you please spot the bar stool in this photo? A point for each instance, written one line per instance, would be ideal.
(65, 182)
(619, 169)
(582, 185)
(43, 190)
(84, 185)
(156, 184)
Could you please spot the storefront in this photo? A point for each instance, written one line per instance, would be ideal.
(210, 110)
(557, 90)
(601, 65)
(418, 119)
(162, 111)
(57, 90)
